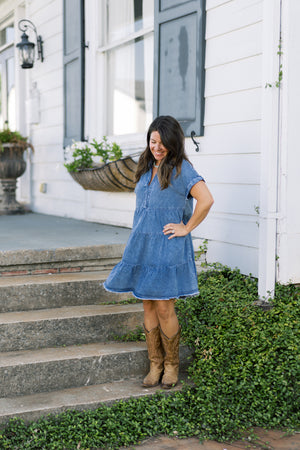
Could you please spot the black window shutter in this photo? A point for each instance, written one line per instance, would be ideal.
(73, 62)
(179, 57)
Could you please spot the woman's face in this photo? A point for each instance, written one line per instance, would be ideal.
(156, 147)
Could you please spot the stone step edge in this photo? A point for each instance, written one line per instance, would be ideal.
(67, 312)
(75, 259)
(59, 270)
(45, 355)
(64, 277)
(36, 292)
(32, 407)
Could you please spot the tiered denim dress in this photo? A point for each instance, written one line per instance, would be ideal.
(154, 267)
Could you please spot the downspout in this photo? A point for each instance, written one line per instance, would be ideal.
(270, 149)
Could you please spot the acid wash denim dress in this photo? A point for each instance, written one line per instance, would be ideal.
(154, 267)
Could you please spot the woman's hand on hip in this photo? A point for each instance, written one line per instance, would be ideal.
(175, 230)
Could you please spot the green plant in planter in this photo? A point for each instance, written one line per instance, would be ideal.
(13, 137)
(84, 155)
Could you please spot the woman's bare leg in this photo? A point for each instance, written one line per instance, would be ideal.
(150, 315)
(165, 311)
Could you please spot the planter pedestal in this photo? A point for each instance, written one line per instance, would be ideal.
(8, 202)
(12, 166)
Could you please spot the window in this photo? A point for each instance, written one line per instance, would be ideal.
(148, 61)
(128, 46)
(73, 60)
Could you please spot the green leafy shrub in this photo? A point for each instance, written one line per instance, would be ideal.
(247, 361)
(83, 155)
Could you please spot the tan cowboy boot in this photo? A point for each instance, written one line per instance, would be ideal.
(171, 362)
(156, 357)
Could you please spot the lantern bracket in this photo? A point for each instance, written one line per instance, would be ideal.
(23, 25)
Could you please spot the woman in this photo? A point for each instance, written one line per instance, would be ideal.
(158, 263)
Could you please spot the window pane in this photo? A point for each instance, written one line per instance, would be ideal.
(128, 16)
(7, 35)
(130, 81)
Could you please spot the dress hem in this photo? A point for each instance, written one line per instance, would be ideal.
(148, 298)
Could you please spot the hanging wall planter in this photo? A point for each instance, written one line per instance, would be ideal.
(114, 176)
(99, 166)
(12, 166)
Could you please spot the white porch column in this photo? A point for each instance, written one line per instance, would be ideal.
(289, 222)
(270, 150)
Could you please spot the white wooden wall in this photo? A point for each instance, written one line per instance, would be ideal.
(230, 148)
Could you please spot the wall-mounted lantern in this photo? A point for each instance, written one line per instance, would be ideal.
(26, 48)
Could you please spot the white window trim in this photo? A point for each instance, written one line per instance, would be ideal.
(126, 40)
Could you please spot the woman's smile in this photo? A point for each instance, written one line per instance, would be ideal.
(157, 148)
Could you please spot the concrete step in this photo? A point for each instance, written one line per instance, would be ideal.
(32, 407)
(24, 293)
(33, 371)
(60, 260)
(67, 326)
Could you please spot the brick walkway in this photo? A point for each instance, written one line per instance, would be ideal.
(265, 440)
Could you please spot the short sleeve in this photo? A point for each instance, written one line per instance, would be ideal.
(189, 177)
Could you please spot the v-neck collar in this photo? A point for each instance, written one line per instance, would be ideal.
(149, 181)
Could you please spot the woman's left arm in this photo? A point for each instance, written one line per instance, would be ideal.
(204, 201)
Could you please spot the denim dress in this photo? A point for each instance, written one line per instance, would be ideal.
(154, 267)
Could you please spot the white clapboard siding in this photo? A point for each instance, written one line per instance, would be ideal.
(235, 76)
(66, 190)
(58, 171)
(238, 230)
(231, 16)
(52, 116)
(230, 149)
(112, 217)
(53, 66)
(47, 135)
(46, 10)
(59, 207)
(242, 257)
(234, 107)
(48, 153)
(233, 46)
(230, 138)
(51, 99)
(52, 26)
(211, 4)
(238, 169)
(49, 80)
(235, 198)
(123, 201)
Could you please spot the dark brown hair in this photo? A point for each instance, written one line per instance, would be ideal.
(172, 137)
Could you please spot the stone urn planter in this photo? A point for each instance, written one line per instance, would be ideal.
(12, 166)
